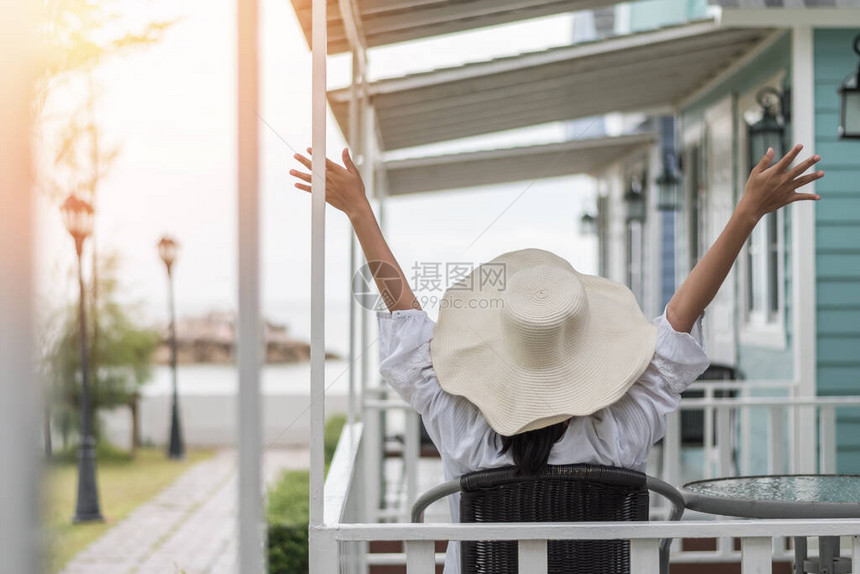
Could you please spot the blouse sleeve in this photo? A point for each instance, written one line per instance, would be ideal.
(455, 425)
(404, 355)
(679, 359)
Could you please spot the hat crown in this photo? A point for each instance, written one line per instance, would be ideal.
(544, 315)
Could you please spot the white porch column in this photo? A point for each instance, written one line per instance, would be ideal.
(803, 249)
(355, 151)
(249, 348)
(371, 417)
(20, 414)
(321, 558)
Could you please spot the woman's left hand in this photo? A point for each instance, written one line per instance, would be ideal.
(770, 188)
(344, 189)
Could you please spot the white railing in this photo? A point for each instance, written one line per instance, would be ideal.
(727, 431)
(341, 542)
(776, 417)
(756, 539)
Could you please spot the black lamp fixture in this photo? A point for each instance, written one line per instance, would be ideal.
(769, 131)
(669, 185)
(849, 124)
(588, 224)
(635, 200)
(79, 218)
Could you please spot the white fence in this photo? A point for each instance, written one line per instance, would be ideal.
(341, 543)
(736, 432)
(735, 429)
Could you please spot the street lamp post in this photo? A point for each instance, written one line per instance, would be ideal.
(78, 218)
(167, 249)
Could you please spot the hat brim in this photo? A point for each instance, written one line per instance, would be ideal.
(470, 358)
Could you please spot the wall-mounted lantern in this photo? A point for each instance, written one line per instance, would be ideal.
(769, 131)
(635, 200)
(588, 224)
(669, 185)
(849, 124)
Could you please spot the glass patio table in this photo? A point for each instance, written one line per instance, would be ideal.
(784, 496)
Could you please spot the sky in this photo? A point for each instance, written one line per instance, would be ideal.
(171, 110)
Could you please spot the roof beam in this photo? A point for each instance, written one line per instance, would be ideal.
(585, 50)
(790, 17)
(498, 166)
(737, 65)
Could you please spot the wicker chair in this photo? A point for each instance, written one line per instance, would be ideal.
(562, 493)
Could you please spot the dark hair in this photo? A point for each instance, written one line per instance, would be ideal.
(531, 449)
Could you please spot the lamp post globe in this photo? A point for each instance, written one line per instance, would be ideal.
(167, 250)
(79, 217)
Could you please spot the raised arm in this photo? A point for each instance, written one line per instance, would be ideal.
(345, 191)
(766, 190)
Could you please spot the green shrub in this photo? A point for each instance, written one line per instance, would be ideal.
(333, 428)
(288, 549)
(288, 509)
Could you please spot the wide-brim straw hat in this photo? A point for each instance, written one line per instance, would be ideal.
(531, 341)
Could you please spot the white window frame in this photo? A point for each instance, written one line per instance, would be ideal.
(757, 326)
(685, 243)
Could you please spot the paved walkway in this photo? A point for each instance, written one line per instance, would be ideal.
(188, 528)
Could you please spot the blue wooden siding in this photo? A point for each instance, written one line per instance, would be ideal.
(667, 259)
(837, 235)
(649, 14)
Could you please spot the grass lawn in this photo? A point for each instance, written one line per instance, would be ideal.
(124, 484)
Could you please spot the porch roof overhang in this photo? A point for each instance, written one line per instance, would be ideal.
(645, 71)
(390, 21)
(454, 171)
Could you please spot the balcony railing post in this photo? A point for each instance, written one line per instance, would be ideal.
(855, 555)
(644, 555)
(756, 555)
(708, 434)
(532, 554)
(827, 439)
(323, 548)
(746, 436)
(421, 557)
(725, 439)
(776, 441)
(672, 448)
(412, 450)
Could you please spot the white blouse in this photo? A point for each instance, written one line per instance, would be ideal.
(621, 434)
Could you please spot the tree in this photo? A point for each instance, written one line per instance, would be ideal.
(79, 35)
(126, 351)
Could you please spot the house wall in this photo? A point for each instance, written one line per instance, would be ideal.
(651, 14)
(613, 184)
(753, 361)
(837, 223)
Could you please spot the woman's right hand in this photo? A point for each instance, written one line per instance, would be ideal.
(344, 189)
